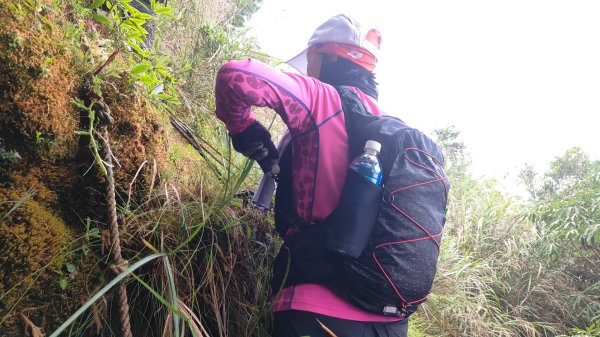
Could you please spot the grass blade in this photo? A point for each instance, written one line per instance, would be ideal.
(30, 193)
(173, 292)
(103, 291)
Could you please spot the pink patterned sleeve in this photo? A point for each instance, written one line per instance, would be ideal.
(243, 84)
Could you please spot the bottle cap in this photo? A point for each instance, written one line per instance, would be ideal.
(373, 145)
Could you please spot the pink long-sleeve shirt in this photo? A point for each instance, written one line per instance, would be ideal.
(312, 111)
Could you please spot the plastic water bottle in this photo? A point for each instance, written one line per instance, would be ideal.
(367, 164)
(351, 224)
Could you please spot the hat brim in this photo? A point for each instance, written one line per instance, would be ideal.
(299, 62)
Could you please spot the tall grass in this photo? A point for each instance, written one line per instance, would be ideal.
(484, 237)
(494, 277)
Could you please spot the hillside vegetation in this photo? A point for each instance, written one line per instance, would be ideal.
(115, 178)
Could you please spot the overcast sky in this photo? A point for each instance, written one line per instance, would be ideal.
(519, 79)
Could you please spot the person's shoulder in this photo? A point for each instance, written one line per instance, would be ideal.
(311, 84)
(242, 63)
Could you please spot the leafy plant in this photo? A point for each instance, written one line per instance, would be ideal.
(567, 201)
(94, 146)
(128, 26)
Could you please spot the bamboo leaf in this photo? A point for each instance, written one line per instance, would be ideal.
(150, 81)
(145, 17)
(101, 19)
(140, 68)
(169, 98)
(164, 10)
(138, 48)
(132, 10)
(137, 21)
(97, 3)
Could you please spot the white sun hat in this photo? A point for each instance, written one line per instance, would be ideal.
(342, 36)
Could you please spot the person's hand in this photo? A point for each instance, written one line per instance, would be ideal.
(260, 153)
(255, 143)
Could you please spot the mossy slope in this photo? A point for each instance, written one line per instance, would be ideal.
(46, 187)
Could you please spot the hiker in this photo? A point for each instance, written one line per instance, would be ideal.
(314, 164)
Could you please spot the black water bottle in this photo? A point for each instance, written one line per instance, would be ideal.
(351, 224)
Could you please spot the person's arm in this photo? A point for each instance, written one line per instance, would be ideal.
(312, 112)
(240, 85)
(243, 84)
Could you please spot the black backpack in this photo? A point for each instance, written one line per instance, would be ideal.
(395, 272)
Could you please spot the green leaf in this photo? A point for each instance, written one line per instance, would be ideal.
(169, 98)
(134, 36)
(161, 59)
(171, 88)
(132, 24)
(136, 21)
(164, 73)
(79, 103)
(143, 16)
(138, 49)
(132, 10)
(168, 108)
(94, 233)
(101, 19)
(149, 80)
(97, 3)
(63, 283)
(173, 292)
(71, 268)
(140, 68)
(164, 10)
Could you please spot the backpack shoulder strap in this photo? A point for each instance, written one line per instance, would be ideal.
(356, 116)
(351, 103)
(362, 125)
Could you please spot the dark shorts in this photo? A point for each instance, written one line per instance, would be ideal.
(302, 323)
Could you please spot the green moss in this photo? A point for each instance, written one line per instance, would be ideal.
(37, 81)
(33, 240)
(38, 232)
(138, 136)
(12, 41)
